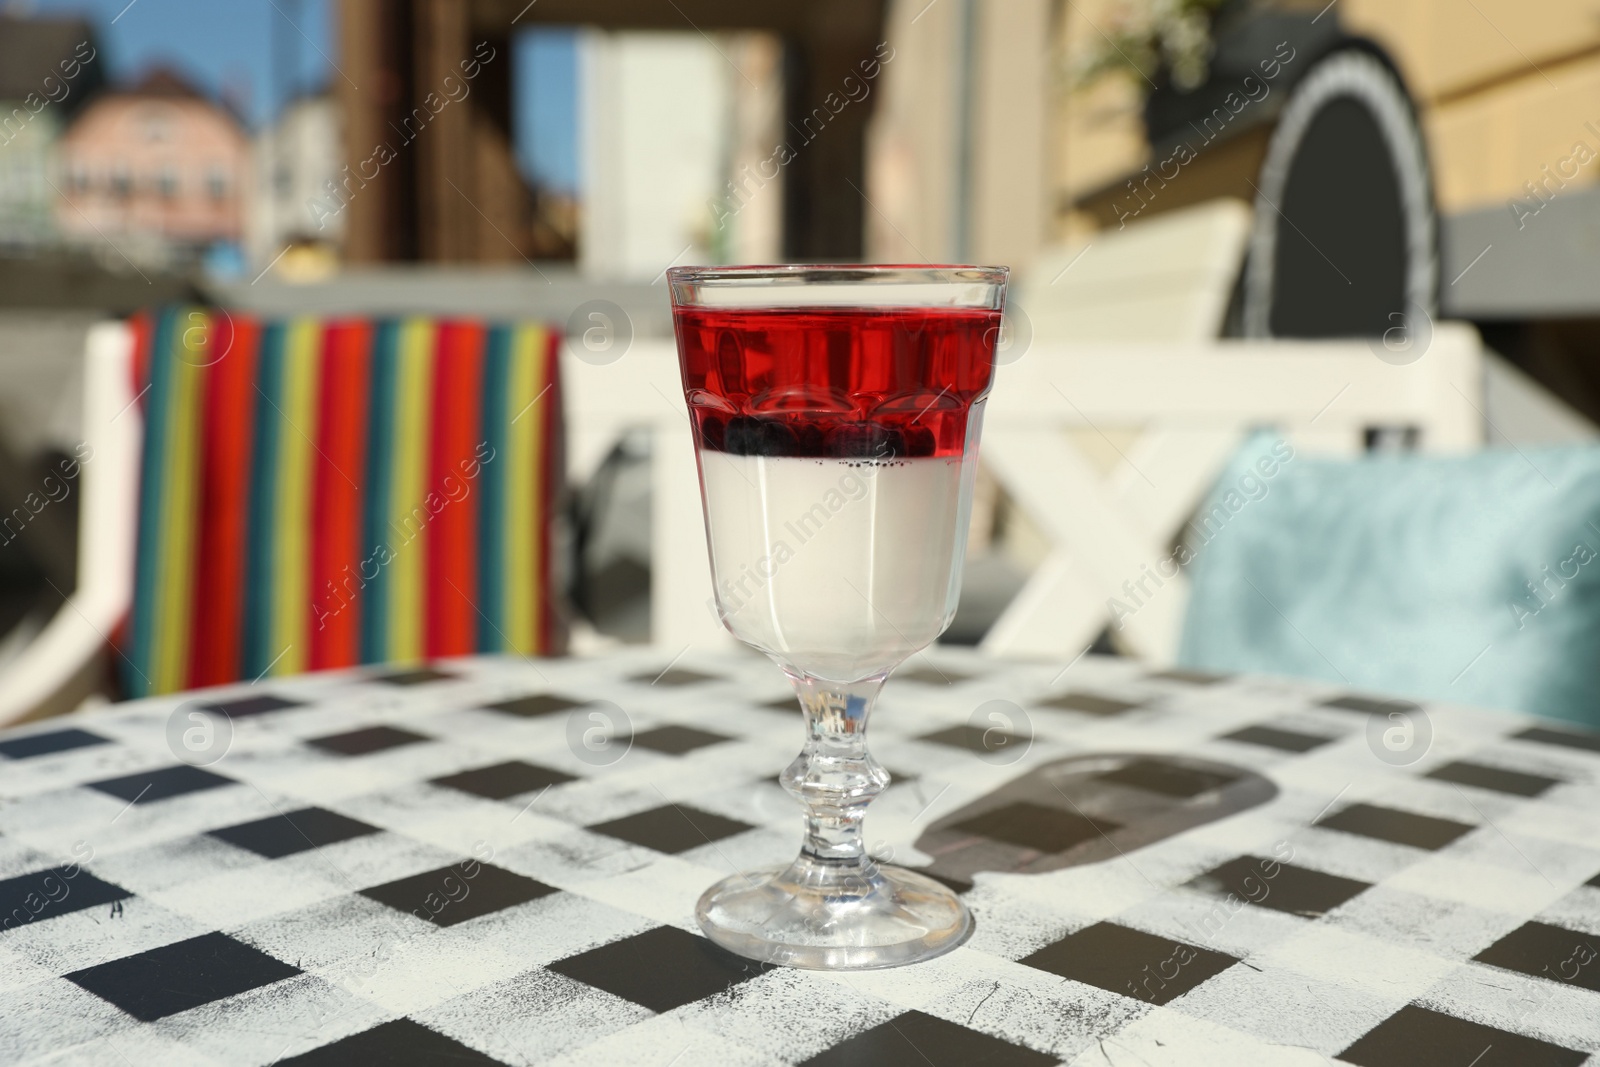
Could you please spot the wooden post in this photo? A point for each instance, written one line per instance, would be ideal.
(441, 134)
(378, 197)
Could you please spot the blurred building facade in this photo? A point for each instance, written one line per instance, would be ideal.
(1462, 163)
(959, 147)
(668, 152)
(1498, 94)
(27, 201)
(296, 163)
(158, 170)
(49, 68)
(679, 176)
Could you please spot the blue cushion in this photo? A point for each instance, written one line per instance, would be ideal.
(1472, 579)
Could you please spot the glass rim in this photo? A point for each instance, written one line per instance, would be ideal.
(868, 285)
(841, 273)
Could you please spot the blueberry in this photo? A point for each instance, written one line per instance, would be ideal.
(919, 441)
(749, 436)
(712, 432)
(809, 439)
(865, 440)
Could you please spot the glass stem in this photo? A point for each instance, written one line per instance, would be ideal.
(834, 778)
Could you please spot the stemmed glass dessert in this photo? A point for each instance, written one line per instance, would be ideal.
(836, 413)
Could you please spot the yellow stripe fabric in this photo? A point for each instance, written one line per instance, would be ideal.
(408, 509)
(291, 571)
(525, 475)
(175, 594)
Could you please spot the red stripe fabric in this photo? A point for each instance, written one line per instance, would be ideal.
(223, 553)
(226, 433)
(452, 576)
(554, 466)
(143, 327)
(336, 502)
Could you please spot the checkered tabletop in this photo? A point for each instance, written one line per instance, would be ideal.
(497, 861)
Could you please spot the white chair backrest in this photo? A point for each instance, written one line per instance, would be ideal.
(643, 389)
(1168, 278)
(1192, 404)
(60, 666)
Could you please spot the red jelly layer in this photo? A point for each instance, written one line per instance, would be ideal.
(850, 382)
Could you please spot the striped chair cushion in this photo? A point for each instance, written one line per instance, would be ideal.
(317, 494)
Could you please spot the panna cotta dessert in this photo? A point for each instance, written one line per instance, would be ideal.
(837, 448)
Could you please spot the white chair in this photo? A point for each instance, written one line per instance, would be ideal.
(1193, 404)
(643, 390)
(65, 662)
(1168, 278)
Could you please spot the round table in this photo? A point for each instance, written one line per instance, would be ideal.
(496, 861)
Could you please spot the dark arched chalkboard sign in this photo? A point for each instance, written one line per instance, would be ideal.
(1344, 240)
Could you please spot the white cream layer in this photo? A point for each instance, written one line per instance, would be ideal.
(839, 568)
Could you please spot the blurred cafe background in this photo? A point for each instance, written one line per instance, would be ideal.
(1299, 373)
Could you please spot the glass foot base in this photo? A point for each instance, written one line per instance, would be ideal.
(809, 915)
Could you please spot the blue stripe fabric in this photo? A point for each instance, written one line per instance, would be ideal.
(152, 478)
(263, 482)
(492, 502)
(380, 479)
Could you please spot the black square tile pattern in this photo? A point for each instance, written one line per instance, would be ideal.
(676, 740)
(293, 832)
(1279, 886)
(671, 828)
(413, 676)
(1089, 704)
(147, 786)
(1549, 952)
(367, 740)
(660, 969)
(39, 895)
(1495, 779)
(245, 707)
(399, 1042)
(451, 895)
(1419, 1037)
(1368, 706)
(927, 1041)
(164, 981)
(930, 676)
(1130, 962)
(1276, 737)
(49, 743)
(1589, 742)
(504, 779)
(1178, 674)
(1167, 778)
(1035, 826)
(976, 739)
(535, 704)
(673, 677)
(1395, 826)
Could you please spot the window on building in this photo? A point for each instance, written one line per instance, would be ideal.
(156, 123)
(217, 181)
(167, 181)
(121, 180)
